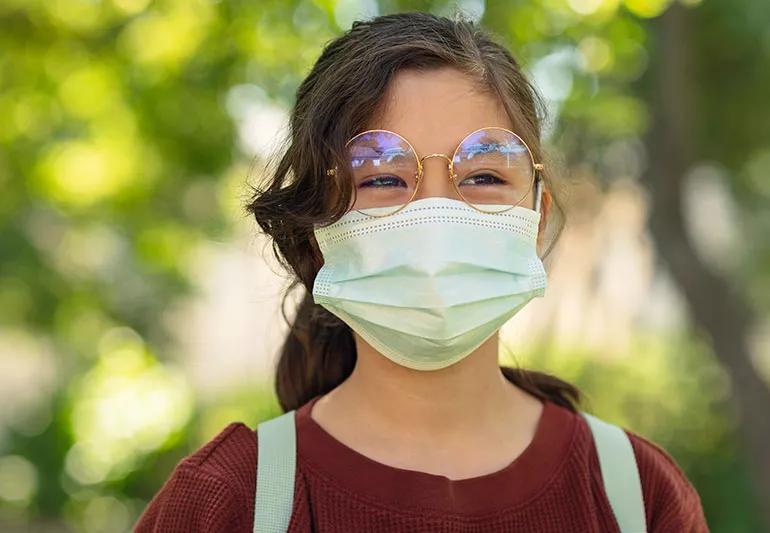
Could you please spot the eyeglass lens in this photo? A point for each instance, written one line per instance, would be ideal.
(492, 166)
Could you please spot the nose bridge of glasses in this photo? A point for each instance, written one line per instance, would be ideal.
(437, 181)
(445, 156)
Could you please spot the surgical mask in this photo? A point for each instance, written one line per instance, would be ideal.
(429, 284)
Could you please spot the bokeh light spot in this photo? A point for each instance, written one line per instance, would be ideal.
(82, 172)
(647, 8)
(18, 479)
(126, 406)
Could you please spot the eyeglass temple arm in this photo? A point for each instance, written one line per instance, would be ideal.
(538, 187)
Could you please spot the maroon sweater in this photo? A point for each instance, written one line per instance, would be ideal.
(555, 485)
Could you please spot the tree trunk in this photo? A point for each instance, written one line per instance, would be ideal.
(716, 306)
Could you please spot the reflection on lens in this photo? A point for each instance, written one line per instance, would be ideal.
(384, 170)
(493, 169)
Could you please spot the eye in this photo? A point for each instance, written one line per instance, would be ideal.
(378, 182)
(482, 179)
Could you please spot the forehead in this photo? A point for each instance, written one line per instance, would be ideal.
(435, 109)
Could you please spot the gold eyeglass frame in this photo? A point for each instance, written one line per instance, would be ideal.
(537, 168)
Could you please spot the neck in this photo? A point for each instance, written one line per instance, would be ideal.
(441, 403)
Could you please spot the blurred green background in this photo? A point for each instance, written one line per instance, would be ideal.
(139, 308)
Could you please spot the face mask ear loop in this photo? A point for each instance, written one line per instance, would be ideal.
(538, 192)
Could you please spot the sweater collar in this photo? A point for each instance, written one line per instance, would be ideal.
(510, 487)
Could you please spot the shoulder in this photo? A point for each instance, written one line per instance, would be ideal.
(229, 454)
(209, 490)
(671, 501)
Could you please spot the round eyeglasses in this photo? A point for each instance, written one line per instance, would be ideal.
(492, 169)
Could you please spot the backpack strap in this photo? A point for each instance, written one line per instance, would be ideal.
(276, 462)
(620, 474)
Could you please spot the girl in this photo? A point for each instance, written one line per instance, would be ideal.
(413, 204)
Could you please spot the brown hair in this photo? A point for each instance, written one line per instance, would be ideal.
(339, 97)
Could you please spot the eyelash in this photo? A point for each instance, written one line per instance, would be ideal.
(371, 182)
(495, 181)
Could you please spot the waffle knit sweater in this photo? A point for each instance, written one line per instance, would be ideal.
(554, 485)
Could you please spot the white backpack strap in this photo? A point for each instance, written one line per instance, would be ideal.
(620, 474)
(276, 462)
